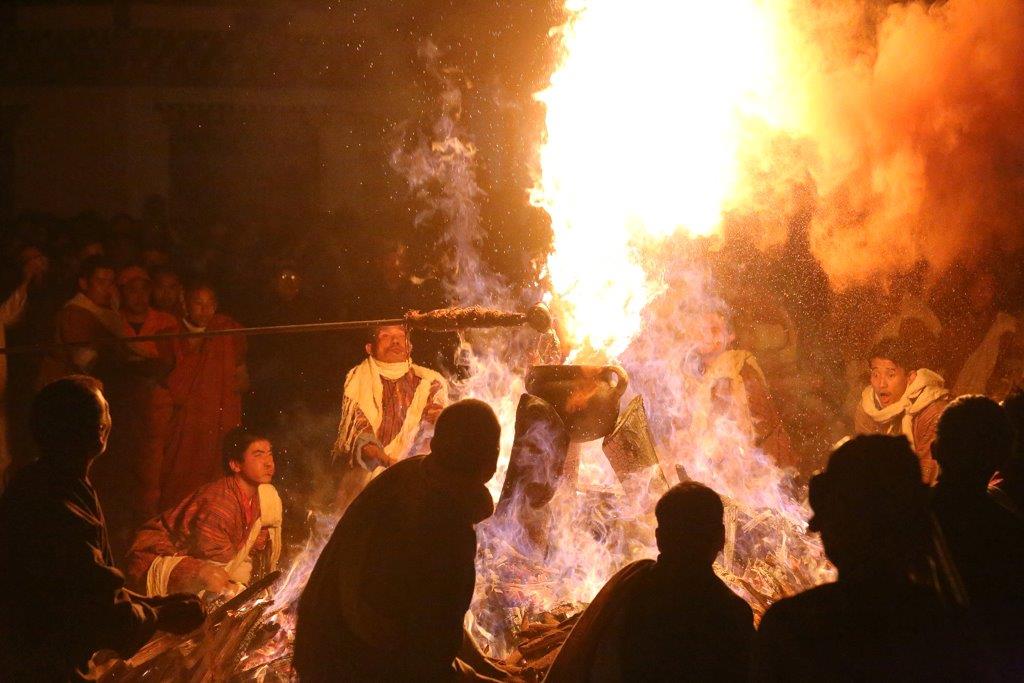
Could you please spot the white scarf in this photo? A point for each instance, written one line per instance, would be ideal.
(240, 566)
(978, 367)
(365, 390)
(926, 388)
(190, 327)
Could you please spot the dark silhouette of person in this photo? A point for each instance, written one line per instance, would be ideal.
(1007, 487)
(388, 595)
(669, 619)
(986, 541)
(886, 617)
(62, 598)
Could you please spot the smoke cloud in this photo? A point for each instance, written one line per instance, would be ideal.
(916, 112)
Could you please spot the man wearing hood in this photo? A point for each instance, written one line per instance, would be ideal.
(902, 400)
(387, 598)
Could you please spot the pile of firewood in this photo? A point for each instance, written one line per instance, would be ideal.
(246, 643)
(539, 640)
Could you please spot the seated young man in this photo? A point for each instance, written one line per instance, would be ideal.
(218, 539)
(902, 399)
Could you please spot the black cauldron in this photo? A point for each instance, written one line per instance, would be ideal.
(586, 397)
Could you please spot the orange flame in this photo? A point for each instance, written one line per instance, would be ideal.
(645, 118)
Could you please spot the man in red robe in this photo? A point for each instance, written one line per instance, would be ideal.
(12, 307)
(388, 409)
(206, 384)
(733, 384)
(140, 404)
(219, 538)
(167, 291)
(148, 366)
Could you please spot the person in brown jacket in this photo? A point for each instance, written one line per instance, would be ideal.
(902, 400)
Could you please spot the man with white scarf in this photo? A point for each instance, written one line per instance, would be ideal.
(902, 400)
(388, 410)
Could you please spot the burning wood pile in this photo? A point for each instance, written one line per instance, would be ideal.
(247, 640)
(552, 543)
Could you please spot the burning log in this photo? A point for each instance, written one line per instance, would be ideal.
(536, 317)
(540, 641)
(212, 652)
(551, 638)
(245, 596)
(216, 657)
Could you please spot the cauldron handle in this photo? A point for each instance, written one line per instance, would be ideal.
(620, 386)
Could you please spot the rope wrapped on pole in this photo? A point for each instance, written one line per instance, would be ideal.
(440, 319)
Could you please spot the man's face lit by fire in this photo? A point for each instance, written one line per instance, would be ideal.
(99, 287)
(167, 292)
(257, 464)
(392, 345)
(135, 296)
(201, 306)
(714, 336)
(889, 381)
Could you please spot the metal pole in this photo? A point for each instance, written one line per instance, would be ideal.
(274, 329)
(461, 318)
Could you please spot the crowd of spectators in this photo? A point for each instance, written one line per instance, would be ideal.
(93, 279)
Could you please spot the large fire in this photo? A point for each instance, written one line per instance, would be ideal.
(652, 115)
(647, 115)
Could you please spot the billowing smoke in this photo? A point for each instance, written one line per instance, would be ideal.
(916, 115)
(436, 156)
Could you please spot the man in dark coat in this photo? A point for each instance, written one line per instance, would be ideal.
(387, 598)
(62, 599)
(888, 617)
(986, 541)
(670, 619)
